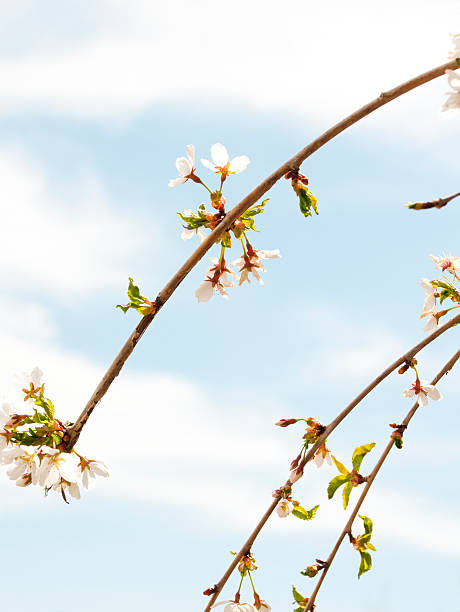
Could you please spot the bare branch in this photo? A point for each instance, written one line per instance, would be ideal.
(406, 358)
(347, 529)
(439, 203)
(232, 215)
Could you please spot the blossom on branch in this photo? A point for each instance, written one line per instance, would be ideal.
(251, 263)
(453, 100)
(185, 166)
(222, 163)
(216, 280)
(447, 262)
(430, 294)
(422, 390)
(455, 53)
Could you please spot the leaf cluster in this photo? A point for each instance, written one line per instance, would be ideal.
(448, 290)
(362, 544)
(346, 476)
(137, 301)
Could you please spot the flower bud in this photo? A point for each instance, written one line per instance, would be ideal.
(286, 422)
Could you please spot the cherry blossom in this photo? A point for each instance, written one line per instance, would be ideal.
(453, 100)
(185, 167)
(24, 469)
(216, 279)
(55, 466)
(430, 294)
(189, 233)
(422, 390)
(222, 163)
(26, 383)
(284, 507)
(322, 454)
(251, 263)
(232, 606)
(90, 468)
(456, 50)
(446, 262)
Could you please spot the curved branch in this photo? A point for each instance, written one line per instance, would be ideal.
(449, 365)
(439, 203)
(231, 216)
(407, 357)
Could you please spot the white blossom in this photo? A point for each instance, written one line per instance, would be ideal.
(322, 454)
(422, 390)
(5, 413)
(295, 476)
(214, 281)
(456, 50)
(453, 100)
(9, 454)
(64, 487)
(24, 381)
(185, 166)
(222, 161)
(430, 291)
(55, 466)
(447, 262)
(236, 607)
(252, 264)
(24, 468)
(264, 607)
(432, 321)
(284, 507)
(90, 468)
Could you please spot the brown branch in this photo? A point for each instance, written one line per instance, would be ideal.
(347, 529)
(231, 216)
(439, 203)
(407, 357)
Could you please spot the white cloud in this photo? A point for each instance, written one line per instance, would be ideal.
(70, 246)
(319, 61)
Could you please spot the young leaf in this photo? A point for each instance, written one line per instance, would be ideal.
(297, 596)
(366, 563)
(335, 483)
(307, 202)
(359, 454)
(340, 466)
(346, 494)
(367, 523)
(303, 514)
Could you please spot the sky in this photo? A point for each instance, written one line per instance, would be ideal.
(96, 102)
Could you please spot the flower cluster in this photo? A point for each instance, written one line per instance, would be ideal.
(220, 275)
(453, 77)
(349, 478)
(312, 434)
(246, 566)
(440, 289)
(33, 444)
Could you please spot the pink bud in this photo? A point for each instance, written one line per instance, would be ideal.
(276, 493)
(286, 422)
(295, 463)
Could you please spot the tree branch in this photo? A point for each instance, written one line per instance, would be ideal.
(347, 529)
(407, 357)
(439, 203)
(231, 216)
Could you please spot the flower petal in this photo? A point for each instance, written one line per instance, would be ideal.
(208, 164)
(178, 181)
(204, 292)
(432, 392)
(183, 165)
(239, 164)
(219, 154)
(191, 153)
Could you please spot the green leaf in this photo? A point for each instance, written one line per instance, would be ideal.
(346, 494)
(297, 596)
(249, 223)
(303, 514)
(133, 290)
(124, 307)
(359, 454)
(371, 546)
(366, 563)
(367, 523)
(307, 202)
(335, 483)
(226, 240)
(255, 210)
(340, 466)
(458, 61)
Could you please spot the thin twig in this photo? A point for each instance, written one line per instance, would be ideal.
(232, 215)
(449, 365)
(439, 203)
(406, 358)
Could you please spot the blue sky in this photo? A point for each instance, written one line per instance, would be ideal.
(97, 102)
